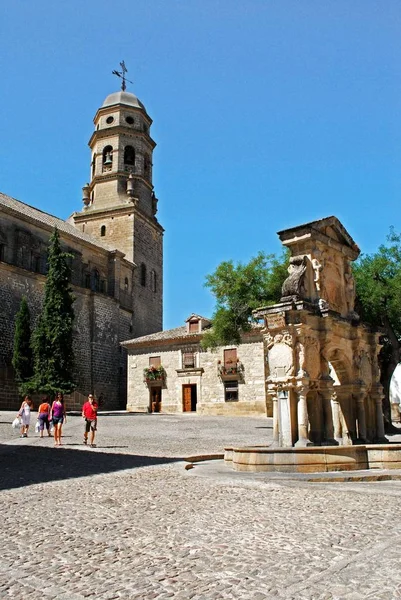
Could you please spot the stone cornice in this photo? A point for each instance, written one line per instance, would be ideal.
(111, 175)
(116, 130)
(121, 210)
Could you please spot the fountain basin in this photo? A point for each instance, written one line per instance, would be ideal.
(314, 459)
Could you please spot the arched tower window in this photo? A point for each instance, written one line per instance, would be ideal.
(143, 274)
(146, 165)
(126, 284)
(107, 158)
(93, 165)
(103, 231)
(153, 283)
(129, 156)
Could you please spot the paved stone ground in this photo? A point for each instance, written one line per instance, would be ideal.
(126, 520)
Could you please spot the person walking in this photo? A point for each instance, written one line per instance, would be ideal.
(89, 413)
(58, 417)
(25, 415)
(43, 416)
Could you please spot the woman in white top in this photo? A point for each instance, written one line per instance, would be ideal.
(25, 415)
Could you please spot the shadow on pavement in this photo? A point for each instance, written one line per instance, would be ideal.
(27, 465)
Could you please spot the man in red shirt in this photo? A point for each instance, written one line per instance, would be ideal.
(89, 413)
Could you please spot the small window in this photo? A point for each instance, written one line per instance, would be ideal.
(35, 263)
(103, 230)
(126, 284)
(143, 275)
(130, 120)
(155, 361)
(129, 156)
(231, 391)
(95, 280)
(188, 360)
(194, 327)
(109, 120)
(93, 165)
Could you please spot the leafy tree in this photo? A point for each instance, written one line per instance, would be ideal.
(52, 338)
(22, 355)
(238, 290)
(378, 302)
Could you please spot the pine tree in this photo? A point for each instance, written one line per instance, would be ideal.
(52, 338)
(22, 355)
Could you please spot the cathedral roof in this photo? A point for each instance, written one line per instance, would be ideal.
(42, 218)
(123, 98)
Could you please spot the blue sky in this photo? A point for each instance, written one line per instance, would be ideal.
(267, 114)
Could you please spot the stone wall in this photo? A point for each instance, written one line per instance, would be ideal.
(210, 387)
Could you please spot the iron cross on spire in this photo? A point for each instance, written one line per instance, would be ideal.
(121, 74)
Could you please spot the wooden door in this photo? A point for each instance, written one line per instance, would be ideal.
(186, 398)
(155, 399)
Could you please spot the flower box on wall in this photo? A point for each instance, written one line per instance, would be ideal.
(154, 374)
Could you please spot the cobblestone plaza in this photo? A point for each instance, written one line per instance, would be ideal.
(127, 520)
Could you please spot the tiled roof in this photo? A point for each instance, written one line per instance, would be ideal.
(159, 336)
(174, 334)
(43, 218)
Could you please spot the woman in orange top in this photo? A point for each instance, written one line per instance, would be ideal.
(43, 416)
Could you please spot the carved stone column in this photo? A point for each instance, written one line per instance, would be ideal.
(361, 416)
(336, 412)
(276, 428)
(380, 421)
(303, 420)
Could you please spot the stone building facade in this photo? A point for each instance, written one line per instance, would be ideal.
(116, 247)
(169, 371)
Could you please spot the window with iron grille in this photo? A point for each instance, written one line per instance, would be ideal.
(231, 391)
(188, 360)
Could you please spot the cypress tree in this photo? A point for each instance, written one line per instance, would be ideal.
(52, 338)
(22, 355)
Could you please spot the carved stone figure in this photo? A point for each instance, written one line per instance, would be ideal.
(294, 285)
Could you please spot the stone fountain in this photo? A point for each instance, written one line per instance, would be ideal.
(322, 374)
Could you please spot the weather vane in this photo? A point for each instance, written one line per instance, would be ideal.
(121, 74)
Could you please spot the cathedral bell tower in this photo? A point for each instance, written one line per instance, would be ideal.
(119, 204)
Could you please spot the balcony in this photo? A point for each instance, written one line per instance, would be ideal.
(230, 370)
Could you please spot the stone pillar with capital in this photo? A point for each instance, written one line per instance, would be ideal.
(361, 415)
(303, 420)
(276, 429)
(380, 434)
(328, 421)
(336, 412)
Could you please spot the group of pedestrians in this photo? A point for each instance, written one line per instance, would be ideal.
(55, 414)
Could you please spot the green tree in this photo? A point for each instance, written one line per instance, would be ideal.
(239, 289)
(378, 302)
(52, 338)
(22, 354)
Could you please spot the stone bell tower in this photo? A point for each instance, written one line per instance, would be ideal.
(119, 203)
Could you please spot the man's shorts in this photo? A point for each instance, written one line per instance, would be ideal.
(90, 424)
